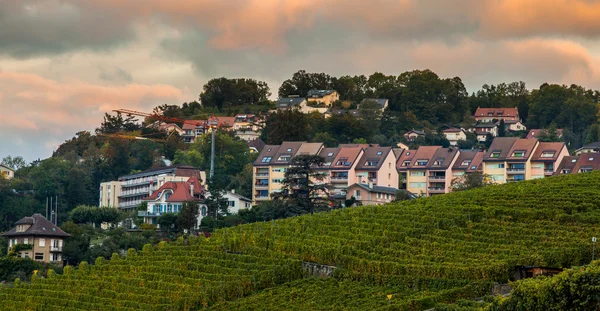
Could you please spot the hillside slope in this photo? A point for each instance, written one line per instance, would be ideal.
(422, 252)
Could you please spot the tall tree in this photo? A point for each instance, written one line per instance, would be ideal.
(302, 82)
(286, 125)
(223, 92)
(303, 189)
(502, 129)
(14, 162)
(188, 216)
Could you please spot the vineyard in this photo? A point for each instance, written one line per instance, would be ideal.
(413, 255)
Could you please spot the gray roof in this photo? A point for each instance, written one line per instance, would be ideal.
(267, 151)
(157, 171)
(380, 102)
(503, 145)
(442, 158)
(373, 154)
(7, 167)
(241, 197)
(287, 102)
(319, 93)
(595, 145)
(380, 189)
(486, 125)
(40, 226)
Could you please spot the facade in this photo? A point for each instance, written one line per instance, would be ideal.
(429, 172)
(382, 103)
(7, 172)
(513, 159)
(236, 202)
(131, 189)
(340, 168)
(413, 134)
(490, 114)
(377, 165)
(109, 194)
(171, 196)
(453, 135)
(468, 161)
(404, 159)
(290, 102)
(582, 163)
(191, 131)
(483, 129)
(45, 238)
(369, 194)
(513, 125)
(326, 97)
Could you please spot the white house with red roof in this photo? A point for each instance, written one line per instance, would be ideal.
(171, 196)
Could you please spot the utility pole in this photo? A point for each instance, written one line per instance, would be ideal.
(213, 128)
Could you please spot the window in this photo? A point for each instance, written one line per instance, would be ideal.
(574, 160)
(266, 159)
(417, 174)
(330, 154)
(417, 185)
(55, 257)
(357, 193)
(501, 165)
(406, 163)
(465, 163)
(341, 161)
(389, 175)
(379, 195)
(26, 241)
(421, 162)
(231, 203)
(26, 255)
(276, 180)
(39, 256)
(473, 167)
(591, 159)
(495, 154)
(371, 163)
(269, 150)
(289, 150)
(285, 157)
(42, 242)
(518, 153)
(379, 153)
(204, 211)
(408, 153)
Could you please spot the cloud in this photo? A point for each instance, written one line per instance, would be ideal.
(44, 110)
(115, 74)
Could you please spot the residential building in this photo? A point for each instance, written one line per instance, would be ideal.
(382, 103)
(170, 127)
(340, 168)
(256, 145)
(535, 133)
(567, 165)
(377, 165)
(546, 158)
(135, 187)
(191, 131)
(453, 135)
(412, 135)
(582, 163)
(7, 172)
(490, 114)
(589, 148)
(325, 97)
(246, 127)
(235, 202)
(483, 129)
(513, 125)
(109, 194)
(291, 102)
(468, 161)
(170, 197)
(402, 166)
(45, 238)
(221, 123)
(514, 159)
(430, 170)
(370, 194)
(270, 168)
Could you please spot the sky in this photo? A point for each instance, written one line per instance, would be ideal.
(64, 63)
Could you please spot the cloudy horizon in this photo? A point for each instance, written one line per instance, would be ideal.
(64, 63)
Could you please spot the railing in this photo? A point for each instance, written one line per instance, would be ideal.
(548, 170)
(436, 189)
(515, 170)
(371, 179)
(261, 197)
(261, 185)
(262, 174)
(437, 177)
(56, 248)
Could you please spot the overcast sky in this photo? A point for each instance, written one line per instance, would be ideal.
(64, 63)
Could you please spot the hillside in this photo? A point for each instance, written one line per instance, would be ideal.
(422, 252)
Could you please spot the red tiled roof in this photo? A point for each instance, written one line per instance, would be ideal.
(180, 190)
(497, 112)
(555, 147)
(407, 155)
(535, 133)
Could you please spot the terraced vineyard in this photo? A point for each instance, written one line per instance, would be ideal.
(425, 253)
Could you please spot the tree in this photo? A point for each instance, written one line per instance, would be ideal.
(402, 195)
(302, 82)
(14, 163)
(502, 129)
(188, 216)
(550, 134)
(489, 138)
(216, 203)
(286, 125)
(302, 187)
(167, 221)
(470, 181)
(326, 139)
(223, 92)
(115, 124)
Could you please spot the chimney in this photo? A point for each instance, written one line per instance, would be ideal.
(370, 185)
(192, 189)
(233, 191)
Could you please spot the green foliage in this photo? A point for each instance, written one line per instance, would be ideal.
(223, 93)
(167, 222)
(188, 216)
(470, 181)
(285, 125)
(15, 267)
(96, 215)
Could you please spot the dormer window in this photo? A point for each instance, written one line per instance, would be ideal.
(284, 158)
(371, 163)
(518, 153)
(330, 154)
(421, 162)
(495, 154)
(465, 163)
(548, 154)
(473, 167)
(406, 163)
(408, 153)
(342, 162)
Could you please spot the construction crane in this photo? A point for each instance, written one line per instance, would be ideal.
(212, 123)
(124, 136)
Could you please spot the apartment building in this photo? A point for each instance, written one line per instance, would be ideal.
(582, 163)
(402, 163)
(326, 97)
(430, 170)
(45, 238)
(341, 171)
(513, 159)
(468, 161)
(377, 166)
(489, 114)
(129, 190)
(191, 131)
(270, 168)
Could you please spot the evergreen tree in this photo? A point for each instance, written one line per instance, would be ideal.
(188, 216)
(502, 129)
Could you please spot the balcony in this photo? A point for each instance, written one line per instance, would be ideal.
(56, 248)
(133, 183)
(261, 185)
(436, 177)
(339, 179)
(147, 214)
(262, 174)
(261, 197)
(436, 190)
(373, 179)
(548, 172)
(515, 170)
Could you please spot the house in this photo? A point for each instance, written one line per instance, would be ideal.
(192, 130)
(377, 165)
(514, 159)
(131, 189)
(246, 127)
(300, 104)
(429, 172)
(170, 127)
(491, 114)
(412, 135)
(589, 148)
(382, 103)
(221, 123)
(235, 202)
(513, 125)
(468, 161)
(582, 163)
(171, 196)
(340, 168)
(7, 172)
(256, 145)
(546, 158)
(567, 165)
(45, 238)
(535, 133)
(483, 129)
(324, 97)
(370, 194)
(453, 135)
(402, 166)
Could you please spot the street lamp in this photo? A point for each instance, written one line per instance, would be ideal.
(593, 247)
